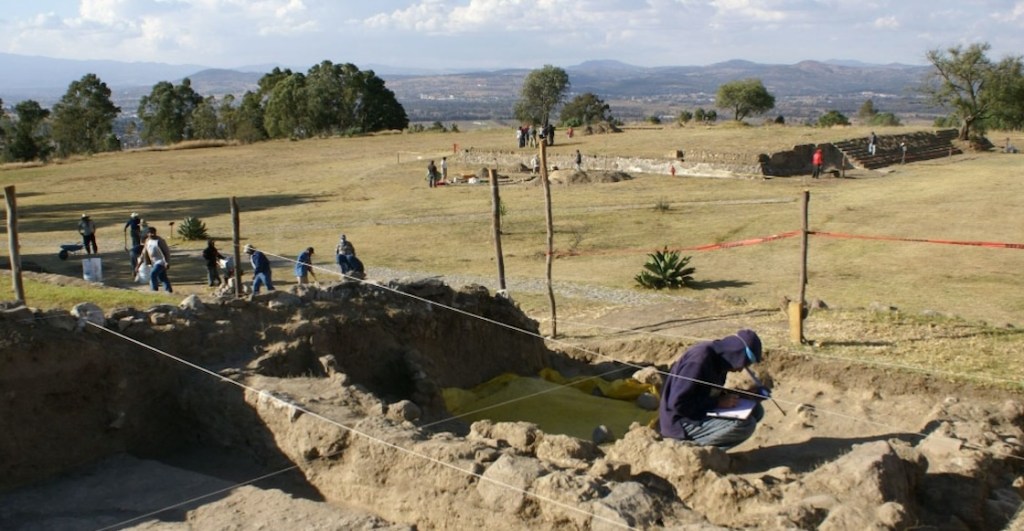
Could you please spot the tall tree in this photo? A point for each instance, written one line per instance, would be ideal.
(287, 113)
(29, 137)
(745, 97)
(543, 89)
(977, 89)
(204, 120)
(1008, 94)
(83, 119)
(585, 109)
(246, 123)
(166, 112)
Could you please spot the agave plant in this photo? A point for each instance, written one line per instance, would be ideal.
(192, 228)
(665, 269)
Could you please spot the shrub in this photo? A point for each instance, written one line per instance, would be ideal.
(192, 228)
(833, 118)
(665, 269)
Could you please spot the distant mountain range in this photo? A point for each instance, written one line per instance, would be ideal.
(800, 89)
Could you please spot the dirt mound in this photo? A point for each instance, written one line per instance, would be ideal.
(342, 384)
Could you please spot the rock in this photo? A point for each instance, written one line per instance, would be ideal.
(565, 451)
(628, 505)
(519, 435)
(680, 463)
(88, 312)
(404, 410)
(610, 470)
(192, 302)
(647, 401)
(282, 300)
(329, 364)
(20, 314)
(123, 323)
(602, 434)
(160, 318)
(519, 473)
(650, 376)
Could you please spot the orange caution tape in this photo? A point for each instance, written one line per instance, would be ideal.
(992, 245)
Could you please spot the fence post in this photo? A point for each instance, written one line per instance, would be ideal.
(798, 307)
(551, 233)
(235, 241)
(12, 243)
(496, 227)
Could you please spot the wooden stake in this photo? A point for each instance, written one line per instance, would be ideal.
(12, 243)
(496, 227)
(551, 232)
(235, 239)
(797, 307)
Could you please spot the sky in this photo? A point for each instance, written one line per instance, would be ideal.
(496, 34)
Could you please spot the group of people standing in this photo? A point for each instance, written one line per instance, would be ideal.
(435, 177)
(531, 135)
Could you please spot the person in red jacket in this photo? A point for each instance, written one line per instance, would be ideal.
(817, 160)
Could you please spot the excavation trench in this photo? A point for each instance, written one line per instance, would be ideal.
(340, 390)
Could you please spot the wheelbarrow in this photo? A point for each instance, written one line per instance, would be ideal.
(69, 248)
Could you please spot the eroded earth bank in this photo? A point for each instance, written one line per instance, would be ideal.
(330, 399)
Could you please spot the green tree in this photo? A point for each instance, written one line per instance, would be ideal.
(1007, 88)
(884, 119)
(585, 109)
(166, 112)
(685, 117)
(287, 114)
(83, 119)
(744, 98)
(975, 87)
(246, 123)
(28, 138)
(543, 89)
(833, 118)
(699, 115)
(867, 110)
(204, 120)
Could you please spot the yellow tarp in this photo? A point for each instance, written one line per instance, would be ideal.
(554, 403)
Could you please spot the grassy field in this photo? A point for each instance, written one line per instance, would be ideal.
(298, 194)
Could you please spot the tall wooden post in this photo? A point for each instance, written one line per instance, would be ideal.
(12, 243)
(496, 227)
(798, 307)
(235, 239)
(551, 232)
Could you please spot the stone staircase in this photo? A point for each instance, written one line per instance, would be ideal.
(920, 146)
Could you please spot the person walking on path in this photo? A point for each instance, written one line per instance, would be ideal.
(817, 160)
(444, 170)
(304, 267)
(579, 161)
(157, 254)
(212, 257)
(694, 388)
(872, 144)
(261, 274)
(87, 229)
(134, 228)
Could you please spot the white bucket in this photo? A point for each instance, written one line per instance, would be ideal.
(143, 276)
(92, 269)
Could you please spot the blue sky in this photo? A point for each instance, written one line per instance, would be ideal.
(492, 34)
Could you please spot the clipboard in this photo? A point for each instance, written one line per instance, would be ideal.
(741, 411)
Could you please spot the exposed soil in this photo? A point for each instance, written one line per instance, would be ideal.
(338, 389)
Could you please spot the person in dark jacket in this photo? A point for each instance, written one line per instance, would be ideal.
(212, 255)
(261, 274)
(695, 386)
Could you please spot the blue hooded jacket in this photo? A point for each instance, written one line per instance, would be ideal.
(686, 394)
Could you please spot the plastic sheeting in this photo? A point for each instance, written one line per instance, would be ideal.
(555, 404)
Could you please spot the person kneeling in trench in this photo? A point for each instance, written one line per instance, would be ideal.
(695, 386)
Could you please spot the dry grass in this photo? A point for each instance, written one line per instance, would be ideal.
(296, 194)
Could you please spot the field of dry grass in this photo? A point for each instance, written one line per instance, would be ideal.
(296, 194)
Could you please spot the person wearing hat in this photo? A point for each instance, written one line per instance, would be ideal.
(261, 274)
(87, 229)
(695, 387)
(304, 267)
(134, 225)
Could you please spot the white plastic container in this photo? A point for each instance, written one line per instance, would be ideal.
(92, 269)
(143, 276)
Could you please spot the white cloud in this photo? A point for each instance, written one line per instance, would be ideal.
(886, 23)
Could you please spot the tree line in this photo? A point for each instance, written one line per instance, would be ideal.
(980, 93)
(329, 99)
